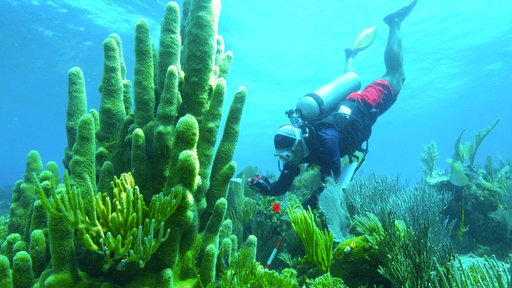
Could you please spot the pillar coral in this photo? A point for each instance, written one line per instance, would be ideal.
(77, 106)
(168, 143)
(23, 196)
(5, 272)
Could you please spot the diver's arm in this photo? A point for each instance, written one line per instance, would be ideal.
(285, 180)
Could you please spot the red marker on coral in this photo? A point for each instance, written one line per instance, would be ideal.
(276, 207)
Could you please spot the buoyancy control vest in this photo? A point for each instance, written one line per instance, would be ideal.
(327, 106)
(354, 122)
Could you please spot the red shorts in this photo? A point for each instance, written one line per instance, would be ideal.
(379, 95)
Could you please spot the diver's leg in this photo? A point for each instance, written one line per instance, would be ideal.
(393, 55)
(349, 58)
(399, 15)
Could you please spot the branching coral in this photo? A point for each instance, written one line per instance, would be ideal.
(244, 272)
(317, 242)
(480, 272)
(429, 157)
(370, 227)
(122, 228)
(411, 219)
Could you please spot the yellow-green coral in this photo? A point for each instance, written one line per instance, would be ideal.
(317, 242)
(122, 228)
(477, 272)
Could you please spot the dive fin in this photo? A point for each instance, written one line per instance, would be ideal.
(365, 39)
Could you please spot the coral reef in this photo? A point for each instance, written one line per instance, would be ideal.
(482, 197)
(148, 198)
(165, 230)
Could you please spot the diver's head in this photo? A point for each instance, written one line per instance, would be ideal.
(289, 144)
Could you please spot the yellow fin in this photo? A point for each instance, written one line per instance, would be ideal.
(365, 39)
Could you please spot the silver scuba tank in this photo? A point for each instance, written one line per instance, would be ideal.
(327, 98)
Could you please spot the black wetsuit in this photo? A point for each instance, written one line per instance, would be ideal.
(333, 137)
(324, 147)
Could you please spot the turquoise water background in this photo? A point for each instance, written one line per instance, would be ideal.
(458, 62)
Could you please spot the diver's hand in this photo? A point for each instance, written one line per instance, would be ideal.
(260, 184)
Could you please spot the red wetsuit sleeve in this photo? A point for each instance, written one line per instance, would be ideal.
(379, 95)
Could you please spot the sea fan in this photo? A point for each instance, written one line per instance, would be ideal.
(331, 202)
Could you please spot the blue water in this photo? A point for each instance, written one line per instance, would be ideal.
(458, 61)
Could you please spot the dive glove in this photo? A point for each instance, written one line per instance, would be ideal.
(260, 184)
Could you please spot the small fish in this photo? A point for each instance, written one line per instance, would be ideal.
(276, 207)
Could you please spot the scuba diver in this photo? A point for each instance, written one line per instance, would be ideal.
(336, 120)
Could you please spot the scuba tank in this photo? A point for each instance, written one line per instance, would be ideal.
(327, 98)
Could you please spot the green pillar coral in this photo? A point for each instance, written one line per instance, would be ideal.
(226, 229)
(222, 169)
(144, 89)
(119, 43)
(234, 243)
(112, 111)
(186, 134)
(218, 189)
(77, 106)
(229, 139)
(163, 142)
(225, 249)
(187, 169)
(198, 62)
(170, 44)
(168, 107)
(139, 160)
(211, 232)
(50, 174)
(19, 246)
(166, 279)
(5, 272)
(64, 271)
(23, 195)
(185, 12)
(185, 139)
(127, 96)
(22, 275)
(106, 177)
(39, 217)
(251, 245)
(8, 245)
(209, 128)
(226, 245)
(83, 163)
(182, 219)
(37, 252)
(167, 154)
(207, 269)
